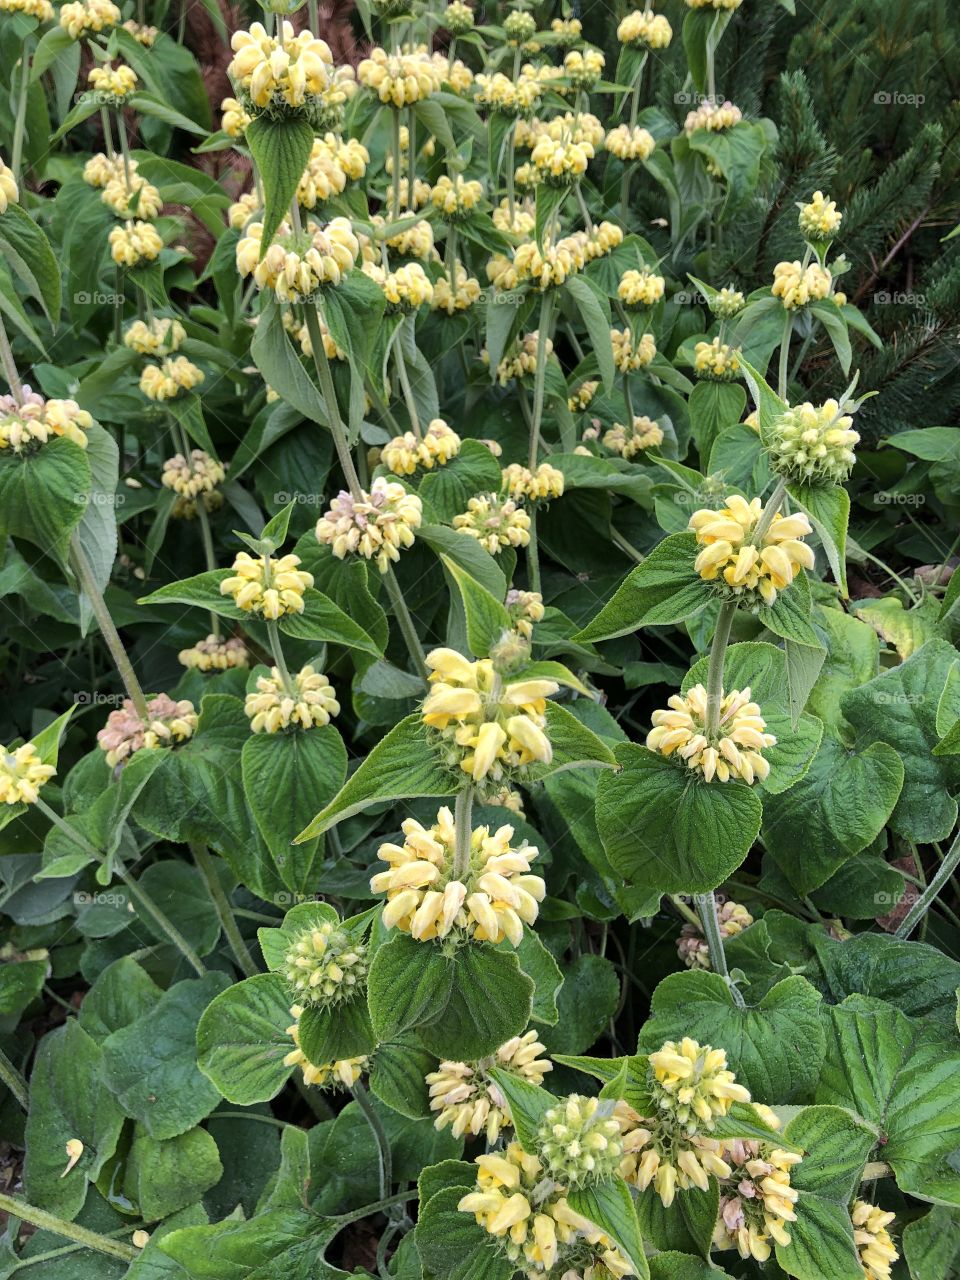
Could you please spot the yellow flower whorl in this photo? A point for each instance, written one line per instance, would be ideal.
(267, 585)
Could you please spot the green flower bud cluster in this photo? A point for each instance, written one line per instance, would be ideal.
(325, 965)
(578, 1141)
(812, 444)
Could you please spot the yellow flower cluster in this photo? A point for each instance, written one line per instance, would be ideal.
(134, 242)
(325, 965)
(583, 70)
(405, 289)
(582, 397)
(295, 266)
(79, 19)
(414, 241)
(525, 608)
(716, 361)
(465, 293)
(532, 1220)
(458, 18)
(404, 454)
(342, 1074)
(494, 522)
(551, 267)
(27, 426)
(233, 118)
(400, 79)
(730, 550)
(796, 285)
(168, 724)
(735, 750)
(627, 357)
(42, 10)
(628, 143)
(418, 198)
(101, 169)
(814, 445)
(521, 483)
(267, 585)
(523, 360)
(644, 433)
(147, 36)
(491, 729)
(569, 127)
(489, 899)
(692, 945)
(819, 219)
(727, 303)
(160, 336)
(455, 197)
(651, 30)
(690, 1088)
(279, 72)
(520, 223)
(641, 288)
(192, 476)
(712, 116)
(331, 350)
(113, 83)
(331, 165)
(605, 238)
(271, 707)
(756, 1198)
(567, 30)
(559, 162)
(728, 5)
(166, 381)
(503, 96)
(470, 1102)
(215, 654)
(23, 773)
(875, 1248)
(242, 210)
(378, 525)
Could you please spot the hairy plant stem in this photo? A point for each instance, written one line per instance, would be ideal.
(19, 128)
(207, 869)
(383, 1142)
(929, 895)
(405, 622)
(124, 147)
(584, 211)
(626, 547)
(784, 371)
(14, 1081)
(81, 567)
(689, 915)
(707, 906)
(142, 898)
(107, 132)
(401, 364)
(540, 375)
(395, 199)
(279, 661)
(337, 429)
(464, 830)
(721, 638)
(10, 365)
(206, 535)
(18, 1208)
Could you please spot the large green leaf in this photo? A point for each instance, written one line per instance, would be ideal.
(835, 811)
(664, 589)
(449, 488)
(775, 1047)
(150, 1066)
(242, 1039)
(610, 1205)
(68, 1099)
(164, 1176)
(463, 1005)
(487, 619)
(28, 253)
(305, 768)
(829, 510)
(402, 766)
(452, 1246)
(43, 495)
(666, 830)
(274, 356)
(899, 707)
(902, 1080)
(280, 149)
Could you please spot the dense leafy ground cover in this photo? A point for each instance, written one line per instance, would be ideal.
(479, 508)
